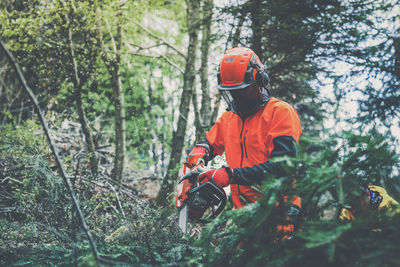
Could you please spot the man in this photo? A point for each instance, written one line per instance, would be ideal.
(255, 128)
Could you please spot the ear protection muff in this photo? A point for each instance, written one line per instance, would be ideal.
(261, 76)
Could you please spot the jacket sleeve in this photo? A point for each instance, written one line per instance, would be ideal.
(281, 139)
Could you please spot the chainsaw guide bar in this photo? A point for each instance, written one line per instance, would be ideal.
(195, 201)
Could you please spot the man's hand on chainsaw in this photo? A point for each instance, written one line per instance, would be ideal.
(199, 154)
(221, 177)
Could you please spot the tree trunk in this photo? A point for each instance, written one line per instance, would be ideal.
(78, 84)
(396, 56)
(113, 63)
(242, 16)
(119, 103)
(188, 80)
(204, 120)
(120, 128)
(93, 161)
(152, 120)
(257, 19)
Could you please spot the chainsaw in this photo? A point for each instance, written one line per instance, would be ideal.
(197, 201)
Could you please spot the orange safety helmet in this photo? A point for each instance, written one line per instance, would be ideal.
(239, 68)
(242, 80)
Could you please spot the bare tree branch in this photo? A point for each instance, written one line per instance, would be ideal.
(159, 38)
(147, 47)
(136, 53)
(114, 46)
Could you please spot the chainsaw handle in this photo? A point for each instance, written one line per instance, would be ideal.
(189, 176)
(222, 205)
(194, 173)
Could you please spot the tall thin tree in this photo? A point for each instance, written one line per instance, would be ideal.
(112, 61)
(203, 113)
(79, 78)
(178, 138)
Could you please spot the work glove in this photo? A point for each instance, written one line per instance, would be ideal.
(200, 152)
(221, 177)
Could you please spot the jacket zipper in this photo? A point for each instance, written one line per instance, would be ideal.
(241, 144)
(244, 143)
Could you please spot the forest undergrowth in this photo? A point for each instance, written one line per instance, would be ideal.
(39, 227)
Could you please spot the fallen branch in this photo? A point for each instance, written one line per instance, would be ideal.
(119, 202)
(63, 173)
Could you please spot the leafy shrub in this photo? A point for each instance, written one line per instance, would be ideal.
(31, 190)
(243, 237)
(36, 219)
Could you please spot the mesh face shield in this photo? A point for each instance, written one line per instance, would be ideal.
(243, 101)
(229, 99)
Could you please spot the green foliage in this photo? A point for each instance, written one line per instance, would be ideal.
(37, 226)
(29, 185)
(31, 193)
(244, 237)
(36, 219)
(39, 37)
(132, 231)
(147, 236)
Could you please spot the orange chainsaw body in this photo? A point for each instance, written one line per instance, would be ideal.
(183, 187)
(193, 200)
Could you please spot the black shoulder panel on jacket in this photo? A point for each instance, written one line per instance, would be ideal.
(284, 145)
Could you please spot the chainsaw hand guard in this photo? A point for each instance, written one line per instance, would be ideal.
(206, 196)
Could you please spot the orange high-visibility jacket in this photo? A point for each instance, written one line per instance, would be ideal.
(250, 142)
